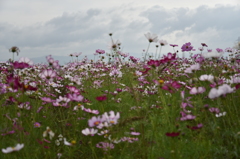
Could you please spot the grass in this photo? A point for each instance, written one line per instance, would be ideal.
(150, 122)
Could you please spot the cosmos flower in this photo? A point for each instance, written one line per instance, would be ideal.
(173, 45)
(111, 118)
(101, 98)
(95, 121)
(163, 42)
(48, 132)
(187, 47)
(11, 149)
(151, 37)
(105, 146)
(173, 134)
(203, 44)
(195, 90)
(48, 74)
(25, 60)
(98, 51)
(209, 78)
(14, 49)
(88, 131)
(222, 90)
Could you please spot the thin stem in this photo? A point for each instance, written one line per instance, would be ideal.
(13, 57)
(146, 52)
(156, 53)
(159, 54)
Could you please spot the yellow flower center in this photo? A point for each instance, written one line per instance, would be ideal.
(96, 123)
(160, 81)
(73, 142)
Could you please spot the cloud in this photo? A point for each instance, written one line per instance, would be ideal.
(86, 31)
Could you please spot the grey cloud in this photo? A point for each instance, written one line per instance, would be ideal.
(87, 31)
(221, 17)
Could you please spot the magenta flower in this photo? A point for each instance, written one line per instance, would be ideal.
(20, 65)
(37, 124)
(73, 89)
(195, 127)
(173, 134)
(209, 50)
(153, 63)
(101, 98)
(203, 44)
(173, 45)
(219, 50)
(187, 47)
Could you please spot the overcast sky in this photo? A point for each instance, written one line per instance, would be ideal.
(60, 27)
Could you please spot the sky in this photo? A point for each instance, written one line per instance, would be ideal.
(61, 27)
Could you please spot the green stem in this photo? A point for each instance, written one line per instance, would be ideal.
(159, 54)
(146, 52)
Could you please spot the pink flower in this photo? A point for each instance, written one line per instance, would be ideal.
(100, 51)
(135, 133)
(37, 124)
(187, 47)
(214, 110)
(95, 121)
(187, 116)
(48, 74)
(75, 97)
(105, 146)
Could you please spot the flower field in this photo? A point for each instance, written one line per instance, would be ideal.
(158, 107)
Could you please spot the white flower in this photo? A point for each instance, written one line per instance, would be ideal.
(67, 143)
(222, 90)
(88, 131)
(221, 114)
(206, 78)
(25, 60)
(11, 149)
(212, 54)
(163, 42)
(48, 132)
(151, 37)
